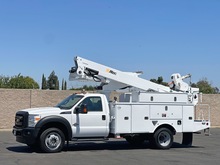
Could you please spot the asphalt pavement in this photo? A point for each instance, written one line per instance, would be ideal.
(205, 151)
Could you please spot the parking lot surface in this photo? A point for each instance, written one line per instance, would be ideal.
(205, 151)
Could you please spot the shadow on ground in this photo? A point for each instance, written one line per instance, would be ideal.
(94, 146)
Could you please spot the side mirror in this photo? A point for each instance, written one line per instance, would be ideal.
(77, 110)
(81, 109)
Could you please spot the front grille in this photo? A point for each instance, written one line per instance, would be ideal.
(21, 119)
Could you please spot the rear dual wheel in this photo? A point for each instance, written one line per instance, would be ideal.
(162, 139)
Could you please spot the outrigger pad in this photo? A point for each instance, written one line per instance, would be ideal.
(187, 139)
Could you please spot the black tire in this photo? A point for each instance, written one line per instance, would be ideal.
(162, 139)
(135, 140)
(187, 139)
(52, 140)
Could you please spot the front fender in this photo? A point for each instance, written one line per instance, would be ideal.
(55, 121)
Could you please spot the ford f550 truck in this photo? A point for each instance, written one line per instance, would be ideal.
(143, 111)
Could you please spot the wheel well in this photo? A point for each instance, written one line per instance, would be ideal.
(58, 125)
(172, 129)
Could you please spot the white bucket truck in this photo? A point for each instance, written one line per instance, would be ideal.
(145, 111)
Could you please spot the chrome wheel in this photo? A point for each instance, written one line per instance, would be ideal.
(53, 141)
(164, 138)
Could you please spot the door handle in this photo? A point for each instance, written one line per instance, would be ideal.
(103, 117)
(75, 124)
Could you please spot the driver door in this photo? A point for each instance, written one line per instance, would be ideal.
(90, 124)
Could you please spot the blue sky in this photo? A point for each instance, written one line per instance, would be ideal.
(159, 37)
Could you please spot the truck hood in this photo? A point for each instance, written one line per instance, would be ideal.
(43, 110)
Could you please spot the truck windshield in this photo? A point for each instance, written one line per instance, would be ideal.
(69, 102)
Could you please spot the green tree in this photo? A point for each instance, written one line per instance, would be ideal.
(44, 83)
(64, 85)
(159, 81)
(53, 82)
(22, 82)
(153, 80)
(62, 88)
(205, 87)
(87, 88)
(4, 81)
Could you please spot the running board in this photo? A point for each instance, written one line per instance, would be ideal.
(90, 139)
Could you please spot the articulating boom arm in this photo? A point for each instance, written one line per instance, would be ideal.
(89, 70)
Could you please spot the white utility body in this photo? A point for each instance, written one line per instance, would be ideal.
(146, 106)
(140, 110)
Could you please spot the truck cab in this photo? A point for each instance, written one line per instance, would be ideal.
(90, 116)
(76, 117)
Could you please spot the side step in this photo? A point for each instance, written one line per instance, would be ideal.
(90, 139)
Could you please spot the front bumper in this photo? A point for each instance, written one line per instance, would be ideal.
(26, 135)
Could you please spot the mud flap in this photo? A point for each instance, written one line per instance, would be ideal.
(187, 139)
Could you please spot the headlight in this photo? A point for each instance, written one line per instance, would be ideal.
(33, 119)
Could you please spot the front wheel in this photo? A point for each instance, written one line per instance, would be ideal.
(163, 138)
(52, 140)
